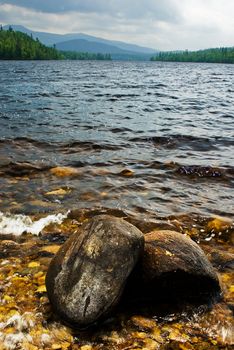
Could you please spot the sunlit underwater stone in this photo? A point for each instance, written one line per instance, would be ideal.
(64, 171)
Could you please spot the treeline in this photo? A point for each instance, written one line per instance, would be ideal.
(73, 55)
(16, 45)
(20, 46)
(218, 55)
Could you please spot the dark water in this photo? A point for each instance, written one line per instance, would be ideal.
(169, 124)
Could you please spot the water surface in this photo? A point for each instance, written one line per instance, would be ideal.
(170, 124)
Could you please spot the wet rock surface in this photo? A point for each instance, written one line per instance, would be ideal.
(86, 278)
(173, 268)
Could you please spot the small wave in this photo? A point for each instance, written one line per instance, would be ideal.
(21, 71)
(158, 85)
(77, 146)
(227, 116)
(22, 168)
(120, 130)
(185, 141)
(24, 141)
(116, 96)
(19, 224)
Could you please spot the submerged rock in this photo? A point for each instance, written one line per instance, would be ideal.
(86, 278)
(221, 259)
(193, 170)
(65, 171)
(173, 267)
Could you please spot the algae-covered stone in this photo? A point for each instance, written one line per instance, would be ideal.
(87, 276)
(173, 267)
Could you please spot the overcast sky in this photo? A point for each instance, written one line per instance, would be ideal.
(160, 24)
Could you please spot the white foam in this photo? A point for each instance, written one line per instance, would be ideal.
(18, 224)
(20, 323)
(45, 338)
(14, 340)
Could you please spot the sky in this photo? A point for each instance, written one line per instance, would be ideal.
(159, 24)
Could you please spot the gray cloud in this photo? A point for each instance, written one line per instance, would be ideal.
(165, 10)
(161, 24)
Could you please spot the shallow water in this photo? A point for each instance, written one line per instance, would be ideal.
(170, 124)
(150, 142)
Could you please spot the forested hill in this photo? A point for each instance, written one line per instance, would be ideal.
(218, 55)
(20, 46)
(16, 45)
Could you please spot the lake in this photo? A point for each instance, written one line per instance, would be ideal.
(170, 124)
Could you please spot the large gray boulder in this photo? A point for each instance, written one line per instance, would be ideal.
(86, 278)
(173, 267)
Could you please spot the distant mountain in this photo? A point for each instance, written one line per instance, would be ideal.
(52, 38)
(82, 45)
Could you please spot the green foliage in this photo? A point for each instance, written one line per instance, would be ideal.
(20, 46)
(72, 55)
(218, 55)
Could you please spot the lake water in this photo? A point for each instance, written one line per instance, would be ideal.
(147, 141)
(170, 124)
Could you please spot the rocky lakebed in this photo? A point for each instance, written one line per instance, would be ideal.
(102, 279)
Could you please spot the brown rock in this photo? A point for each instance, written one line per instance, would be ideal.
(173, 267)
(86, 278)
